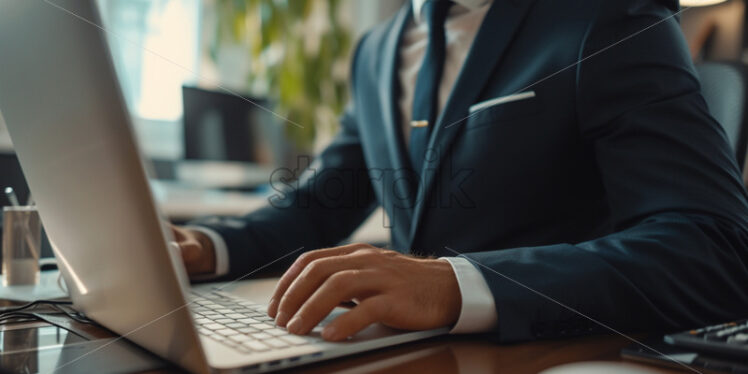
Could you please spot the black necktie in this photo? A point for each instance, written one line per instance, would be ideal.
(426, 96)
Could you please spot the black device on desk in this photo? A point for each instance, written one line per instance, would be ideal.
(229, 140)
(721, 348)
(657, 352)
(727, 339)
(221, 126)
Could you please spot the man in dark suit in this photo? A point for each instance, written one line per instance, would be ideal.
(556, 156)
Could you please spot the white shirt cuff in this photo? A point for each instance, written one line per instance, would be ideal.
(220, 249)
(478, 311)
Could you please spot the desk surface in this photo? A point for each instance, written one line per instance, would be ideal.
(463, 354)
(445, 354)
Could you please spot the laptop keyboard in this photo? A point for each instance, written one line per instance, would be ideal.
(241, 324)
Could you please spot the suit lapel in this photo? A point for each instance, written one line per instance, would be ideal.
(389, 92)
(494, 36)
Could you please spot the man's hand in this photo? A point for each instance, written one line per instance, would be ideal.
(197, 250)
(399, 291)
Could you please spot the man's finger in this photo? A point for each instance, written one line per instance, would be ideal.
(177, 232)
(371, 310)
(341, 286)
(191, 254)
(299, 265)
(190, 250)
(311, 278)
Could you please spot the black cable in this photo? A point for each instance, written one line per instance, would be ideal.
(34, 304)
(74, 315)
(7, 315)
(20, 315)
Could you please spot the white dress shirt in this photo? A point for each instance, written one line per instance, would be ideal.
(478, 311)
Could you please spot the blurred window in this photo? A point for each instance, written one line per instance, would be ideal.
(155, 48)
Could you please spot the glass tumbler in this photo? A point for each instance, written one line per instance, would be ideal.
(21, 245)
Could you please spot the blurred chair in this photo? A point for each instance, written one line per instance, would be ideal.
(725, 89)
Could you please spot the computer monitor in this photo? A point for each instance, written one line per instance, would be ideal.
(224, 126)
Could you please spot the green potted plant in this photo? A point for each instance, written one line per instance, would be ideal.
(298, 53)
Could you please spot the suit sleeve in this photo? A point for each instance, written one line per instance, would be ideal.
(679, 251)
(327, 202)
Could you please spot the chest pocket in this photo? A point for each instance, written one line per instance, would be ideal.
(504, 109)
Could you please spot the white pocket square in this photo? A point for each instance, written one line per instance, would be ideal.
(501, 100)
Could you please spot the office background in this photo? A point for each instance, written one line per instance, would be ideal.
(161, 45)
(197, 75)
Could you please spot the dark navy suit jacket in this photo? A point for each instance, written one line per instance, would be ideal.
(612, 191)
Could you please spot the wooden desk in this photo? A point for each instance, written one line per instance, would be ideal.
(445, 354)
(465, 354)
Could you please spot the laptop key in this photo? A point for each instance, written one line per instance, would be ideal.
(261, 336)
(240, 338)
(276, 343)
(248, 330)
(227, 332)
(235, 316)
(214, 326)
(256, 345)
(276, 332)
(224, 320)
(262, 326)
(218, 338)
(248, 321)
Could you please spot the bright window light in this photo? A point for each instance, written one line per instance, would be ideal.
(690, 3)
(155, 45)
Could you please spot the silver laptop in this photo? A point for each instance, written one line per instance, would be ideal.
(66, 116)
